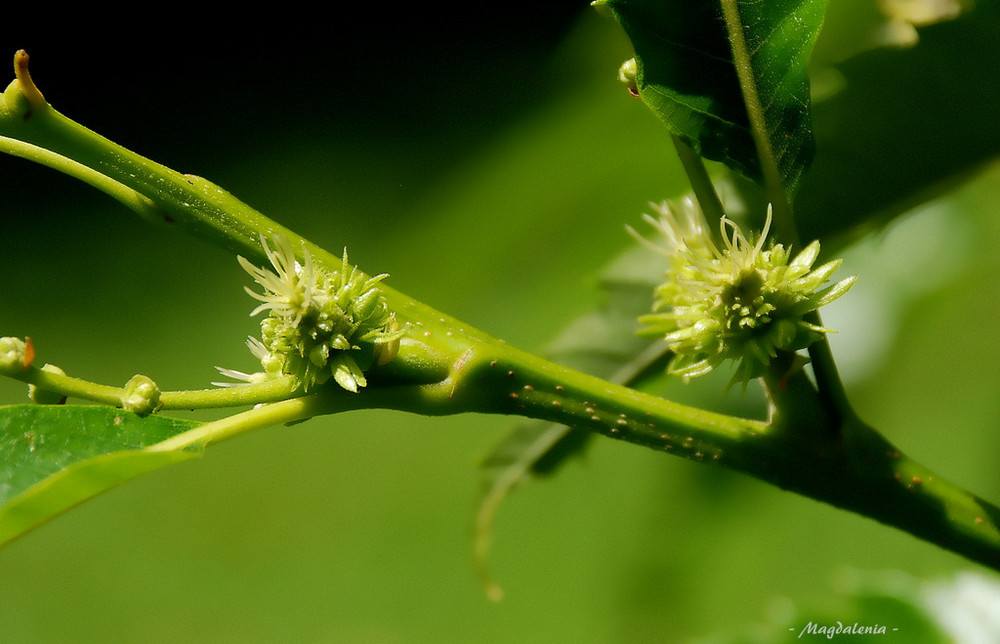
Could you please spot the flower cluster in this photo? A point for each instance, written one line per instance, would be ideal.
(320, 323)
(745, 302)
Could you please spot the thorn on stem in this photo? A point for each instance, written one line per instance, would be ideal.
(28, 88)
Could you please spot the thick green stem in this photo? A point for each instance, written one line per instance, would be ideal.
(802, 449)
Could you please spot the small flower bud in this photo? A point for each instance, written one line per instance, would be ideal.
(142, 396)
(15, 355)
(628, 73)
(347, 373)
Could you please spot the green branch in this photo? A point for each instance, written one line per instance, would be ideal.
(446, 367)
(63, 386)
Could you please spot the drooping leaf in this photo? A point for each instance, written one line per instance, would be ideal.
(603, 343)
(687, 74)
(56, 456)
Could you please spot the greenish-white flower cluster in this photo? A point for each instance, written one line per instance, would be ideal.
(744, 302)
(321, 324)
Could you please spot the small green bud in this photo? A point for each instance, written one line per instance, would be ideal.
(142, 396)
(628, 73)
(43, 396)
(347, 373)
(15, 354)
(319, 355)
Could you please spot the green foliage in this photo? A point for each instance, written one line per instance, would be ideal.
(634, 505)
(689, 77)
(898, 126)
(56, 457)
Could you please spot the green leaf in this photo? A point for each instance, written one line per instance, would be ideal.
(55, 457)
(907, 125)
(688, 75)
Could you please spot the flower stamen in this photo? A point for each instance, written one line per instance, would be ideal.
(744, 303)
(320, 323)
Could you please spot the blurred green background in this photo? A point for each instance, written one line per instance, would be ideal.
(489, 165)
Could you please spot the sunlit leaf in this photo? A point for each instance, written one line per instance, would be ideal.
(57, 456)
(687, 75)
